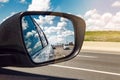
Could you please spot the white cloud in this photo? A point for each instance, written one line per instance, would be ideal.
(43, 20)
(56, 32)
(61, 25)
(37, 44)
(67, 33)
(28, 44)
(24, 24)
(58, 29)
(22, 1)
(106, 21)
(29, 50)
(90, 12)
(60, 38)
(50, 30)
(32, 33)
(29, 34)
(39, 5)
(56, 39)
(116, 4)
(4, 1)
(60, 32)
(63, 19)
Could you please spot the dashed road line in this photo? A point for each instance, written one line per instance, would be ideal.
(89, 70)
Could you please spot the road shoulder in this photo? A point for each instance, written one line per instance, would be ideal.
(102, 46)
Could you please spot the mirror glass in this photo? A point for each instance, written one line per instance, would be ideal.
(47, 37)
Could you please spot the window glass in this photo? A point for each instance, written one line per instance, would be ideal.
(42, 36)
(31, 36)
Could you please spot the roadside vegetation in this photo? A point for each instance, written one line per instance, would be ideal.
(104, 36)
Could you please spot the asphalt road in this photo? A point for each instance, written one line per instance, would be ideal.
(88, 65)
(60, 52)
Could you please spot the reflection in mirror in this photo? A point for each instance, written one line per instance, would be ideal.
(47, 37)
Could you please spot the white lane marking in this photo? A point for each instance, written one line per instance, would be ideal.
(90, 70)
(87, 56)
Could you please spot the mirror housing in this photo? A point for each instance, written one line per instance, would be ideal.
(12, 47)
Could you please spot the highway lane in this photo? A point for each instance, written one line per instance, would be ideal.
(88, 65)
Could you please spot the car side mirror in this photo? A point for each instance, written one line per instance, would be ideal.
(30, 39)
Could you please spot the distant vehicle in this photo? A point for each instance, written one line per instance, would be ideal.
(53, 46)
(66, 47)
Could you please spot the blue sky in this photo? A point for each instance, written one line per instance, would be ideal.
(98, 14)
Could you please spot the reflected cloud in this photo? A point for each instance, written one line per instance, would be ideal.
(47, 37)
(57, 29)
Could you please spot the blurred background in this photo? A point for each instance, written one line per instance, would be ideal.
(99, 58)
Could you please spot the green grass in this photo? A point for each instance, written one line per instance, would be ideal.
(105, 36)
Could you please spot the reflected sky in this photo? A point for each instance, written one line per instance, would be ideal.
(35, 41)
(31, 37)
(58, 30)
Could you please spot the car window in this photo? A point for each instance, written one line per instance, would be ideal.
(42, 35)
(31, 36)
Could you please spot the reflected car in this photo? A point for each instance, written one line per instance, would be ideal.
(66, 47)
(36, 42)
(53, 46)
(47, 53)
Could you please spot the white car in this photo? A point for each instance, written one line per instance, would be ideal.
(66, 46)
